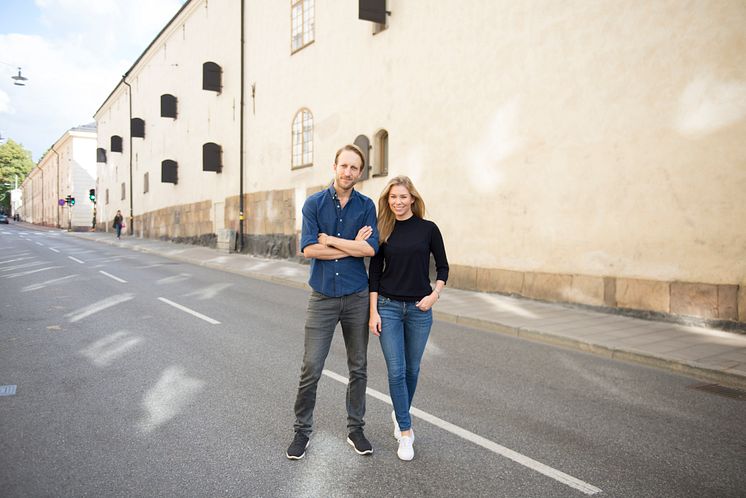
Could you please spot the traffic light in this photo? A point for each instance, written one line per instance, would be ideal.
(92, 195)
(72, 201)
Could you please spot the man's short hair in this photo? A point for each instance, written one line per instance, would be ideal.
(354, 148)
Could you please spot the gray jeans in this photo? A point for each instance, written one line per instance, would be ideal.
(323, 315)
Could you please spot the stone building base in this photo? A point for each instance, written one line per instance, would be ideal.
(710, 302)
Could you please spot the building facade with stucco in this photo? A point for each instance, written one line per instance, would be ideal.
(589, 153)
(68, 168)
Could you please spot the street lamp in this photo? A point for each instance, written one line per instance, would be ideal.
(19, 79)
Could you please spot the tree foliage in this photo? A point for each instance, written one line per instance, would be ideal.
(14, 160)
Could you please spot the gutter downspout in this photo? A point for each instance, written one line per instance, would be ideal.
(58, 185)
(129, 94)
(240, 145)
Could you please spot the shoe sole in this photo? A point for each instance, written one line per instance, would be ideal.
(291, 457)
(366, 452)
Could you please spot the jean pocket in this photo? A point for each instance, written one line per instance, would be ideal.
(383, 301)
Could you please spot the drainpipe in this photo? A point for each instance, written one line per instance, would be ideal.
(58, 185)
(240, 145)
(131, 222)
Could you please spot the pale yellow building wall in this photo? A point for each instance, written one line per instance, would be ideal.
(203, 31)
(67, 168)
(591, 138)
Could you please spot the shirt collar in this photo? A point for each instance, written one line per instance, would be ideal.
(333, 192)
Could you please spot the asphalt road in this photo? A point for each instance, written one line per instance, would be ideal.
(140, 376)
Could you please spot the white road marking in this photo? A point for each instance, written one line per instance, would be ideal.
(76, 260)
(34, 287)
(14, 260)
(99, 306)
(548, 471)
(39, 244)
(23, 273)
(53, 249)
(187, 310)
(113, 277)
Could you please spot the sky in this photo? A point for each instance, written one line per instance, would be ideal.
(74, 53)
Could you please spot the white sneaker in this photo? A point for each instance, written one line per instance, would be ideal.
(406, 450)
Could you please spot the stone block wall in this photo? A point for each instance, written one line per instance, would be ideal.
(186, 223)
(269, 225)
(687, 299)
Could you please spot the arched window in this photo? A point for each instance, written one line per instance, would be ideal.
(169, 172)
(211, 77)
(302, 140)
(116, 143)
(211, 157)
(168, 106)
(100, 155)
(364, 145)
(137, 128)
(380, 163)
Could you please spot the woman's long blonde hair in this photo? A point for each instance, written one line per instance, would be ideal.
(386, 217)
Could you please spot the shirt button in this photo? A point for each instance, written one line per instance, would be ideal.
(340, 220)
(339, 235)
(337, 274)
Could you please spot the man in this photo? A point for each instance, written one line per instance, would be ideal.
(339, 230)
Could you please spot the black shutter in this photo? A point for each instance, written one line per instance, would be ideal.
(100, 155)
(168, 106)
(372, 10)
(364, 144)
(137, 128)
(211, 157)
(169, 172)
(211, 77)
(116, 143)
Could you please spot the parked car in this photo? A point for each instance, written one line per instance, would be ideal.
(4, 219)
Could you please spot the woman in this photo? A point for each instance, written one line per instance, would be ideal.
(401, 298)
(118, 223)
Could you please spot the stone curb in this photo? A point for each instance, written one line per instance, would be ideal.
(690, 369)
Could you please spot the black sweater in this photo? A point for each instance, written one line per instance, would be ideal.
(400, 270)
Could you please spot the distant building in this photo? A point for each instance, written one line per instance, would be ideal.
(590, 154)
(67, 168)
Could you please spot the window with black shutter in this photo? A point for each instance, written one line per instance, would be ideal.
(212, 77)
(100, 155)
(212, 157)
(137, 128)
(168, 106)
(372, 10)
(169, 172)
(364, 145)
(116, 143)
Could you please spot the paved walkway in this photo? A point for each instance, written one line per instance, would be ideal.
(710, 355)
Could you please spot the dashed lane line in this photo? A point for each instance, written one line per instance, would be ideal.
(190, 311)
(548, 471)
(53, 249)
(112, 277)
(76, 260)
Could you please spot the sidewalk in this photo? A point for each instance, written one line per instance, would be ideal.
(709, 355)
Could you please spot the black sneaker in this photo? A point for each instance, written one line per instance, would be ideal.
(357, 440)
(297, 448)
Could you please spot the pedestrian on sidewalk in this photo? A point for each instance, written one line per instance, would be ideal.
(119, 223)
(339, 230)
(401, 297)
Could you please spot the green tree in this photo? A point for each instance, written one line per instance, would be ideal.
(14, 161)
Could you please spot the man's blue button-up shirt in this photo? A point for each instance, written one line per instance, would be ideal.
(323, 213)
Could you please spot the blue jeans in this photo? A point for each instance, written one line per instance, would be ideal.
(323, 314)
(404, 333)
